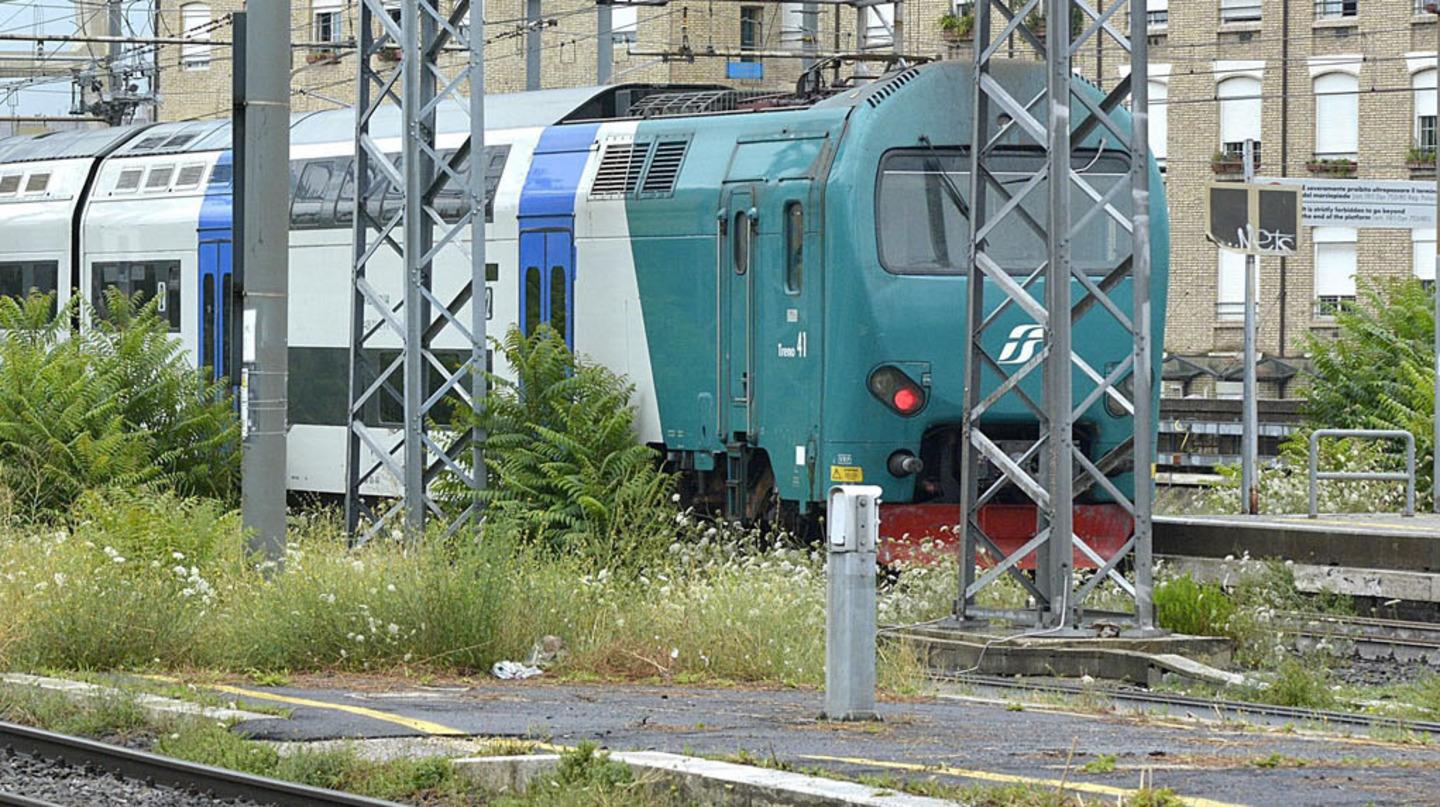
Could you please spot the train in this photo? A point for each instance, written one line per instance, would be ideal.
(780, 275)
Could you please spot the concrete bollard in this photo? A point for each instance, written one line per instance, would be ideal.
(854, 530)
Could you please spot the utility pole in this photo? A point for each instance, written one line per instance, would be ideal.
(1435, 287)
(1250, 418)
(1060, 127)
(604, 42)
(261, 96)
(411, 459)
(532, 44)
(115, 82)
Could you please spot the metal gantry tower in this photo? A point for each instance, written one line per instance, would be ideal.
(1055, 295)
(400, 314)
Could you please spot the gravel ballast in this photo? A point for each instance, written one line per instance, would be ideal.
(61, 783)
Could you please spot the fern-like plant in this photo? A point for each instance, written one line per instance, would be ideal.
(115, 405)
(565, 470)
(1378, 371)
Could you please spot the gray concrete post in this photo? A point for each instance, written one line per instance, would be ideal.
(854, 530)
(262, 234)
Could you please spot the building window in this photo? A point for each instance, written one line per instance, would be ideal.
(1239, 10)
(1230, 296)
(880, 26)
(329, 24)
(1157, 14)
(752, 20)
(1337, 116)
(1424, 85)
(1239, 115)
(195, 22)
(1422, 244)
(624, 22)
(1159, 119)
(1334, 269)
(1331, 9)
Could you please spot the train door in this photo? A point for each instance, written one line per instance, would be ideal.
(738, 227)
(547, 282)
(216, 305)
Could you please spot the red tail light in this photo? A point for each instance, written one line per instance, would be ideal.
(897, 390)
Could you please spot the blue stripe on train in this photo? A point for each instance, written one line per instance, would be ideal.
(216, 261)
(547, 228)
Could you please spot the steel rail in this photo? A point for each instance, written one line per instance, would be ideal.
(1421, 637)
(160, 770)
(16, 800)
(1199, 704)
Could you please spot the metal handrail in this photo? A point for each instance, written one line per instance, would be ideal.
(1374, 476)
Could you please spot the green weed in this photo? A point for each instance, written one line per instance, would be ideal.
(1105, 763)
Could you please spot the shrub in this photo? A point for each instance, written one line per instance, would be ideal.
(565, 470)
(114, 405)
(1378, 372)
(1195, 609)
(1284, 487)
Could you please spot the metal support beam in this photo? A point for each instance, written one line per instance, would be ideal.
(532, 44)
(402, 306)
(1055, 297)
(1250, 418)
(262, 236)
(604, 43)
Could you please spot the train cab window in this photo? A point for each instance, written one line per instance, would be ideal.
(740, 244)
(9, 184)
(147, 280)
(559, 307)
(794, 247)
(922, 212)
(20, 279)
(307, 204)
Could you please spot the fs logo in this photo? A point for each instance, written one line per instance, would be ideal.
(1024, 340)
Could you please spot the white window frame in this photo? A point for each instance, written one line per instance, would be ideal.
(323, 8)
(1241, 11)
(1337, 115)
(1423, 85)
(1230, 286)
(624, 23)
(1422, 248)
(195, 56)
(1241, 109)
(1334, 246)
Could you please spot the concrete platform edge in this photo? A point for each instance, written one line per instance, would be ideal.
(705, 780)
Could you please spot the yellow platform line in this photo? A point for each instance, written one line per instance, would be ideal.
(422, 726)
(1008, 779)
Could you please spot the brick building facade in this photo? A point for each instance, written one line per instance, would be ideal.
(1349, 82)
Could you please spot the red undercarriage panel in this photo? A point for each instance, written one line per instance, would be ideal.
(905, 528)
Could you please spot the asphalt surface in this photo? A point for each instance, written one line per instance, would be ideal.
(958, 740)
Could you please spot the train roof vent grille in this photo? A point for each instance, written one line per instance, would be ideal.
(619, 171)
(37, 183)
(129, 179)
(890, 87)
(159, 177)
(664, 167)
(190, 176)
(9, 184)
(148, 143)
(179, 141)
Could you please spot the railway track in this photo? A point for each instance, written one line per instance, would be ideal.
(1175, 704)
(1369, 637)
(195, 783)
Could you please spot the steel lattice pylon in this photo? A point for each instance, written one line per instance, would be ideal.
(1004, 122)
(393, 356)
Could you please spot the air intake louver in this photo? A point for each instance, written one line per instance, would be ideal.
(190, 176)
(129, 179)
(37, 183)
(159, 178)
(664, 167)
(619, 171)
(9, 184)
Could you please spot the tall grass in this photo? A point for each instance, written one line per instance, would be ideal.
(162, 583)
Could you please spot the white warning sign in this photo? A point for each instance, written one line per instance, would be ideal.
(1363, 203)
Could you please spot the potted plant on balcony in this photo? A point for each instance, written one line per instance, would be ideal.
(1420, 159)
(957, 27)
(1227, 163)
(1332, 166)
(322, 56)
(389, 53)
